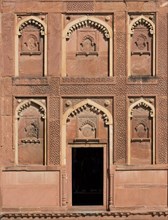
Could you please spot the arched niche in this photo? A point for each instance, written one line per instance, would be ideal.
(141, 132)
(141, 46)
(30, 133)
(87, 48)
(87, 124)
(31, 47)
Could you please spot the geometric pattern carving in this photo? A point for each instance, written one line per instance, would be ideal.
(54, 143)
(80, 6)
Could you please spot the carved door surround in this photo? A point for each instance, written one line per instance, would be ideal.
(141, 131)
(141, 45)
(30, 44)
(86, 136)
(105, 174)
(31, 133)
(87, 45)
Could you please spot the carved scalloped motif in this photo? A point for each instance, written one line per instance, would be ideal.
(145, 106)
(27, 105)
(92, 108)
(143, 21)
(34, 23)
(87, 23)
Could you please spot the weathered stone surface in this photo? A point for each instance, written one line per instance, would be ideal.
(88, 75)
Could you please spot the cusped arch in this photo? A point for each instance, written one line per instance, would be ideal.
(32, 20)
(142, 20)
(87, 21)
(95, 107)
(142, 102)
(26, 104)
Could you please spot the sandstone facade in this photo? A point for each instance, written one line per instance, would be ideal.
(83, 123)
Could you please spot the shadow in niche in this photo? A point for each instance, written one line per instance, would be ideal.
(87, 176)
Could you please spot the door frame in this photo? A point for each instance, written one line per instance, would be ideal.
(105, 176)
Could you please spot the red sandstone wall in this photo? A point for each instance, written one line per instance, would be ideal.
(40, 188)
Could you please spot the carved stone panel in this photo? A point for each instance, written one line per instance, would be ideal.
(87, 125)
(141, 134)
(87, 52)
(30, 43)
(142, 46)
(31, 49)
(31, 132)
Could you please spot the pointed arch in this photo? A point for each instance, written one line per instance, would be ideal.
(41, 25)
(90, 21)
(142, 102)
(80, 23)
(32, 20)
(26, 104)
(107, 117)
(142, 20)
(18, 113)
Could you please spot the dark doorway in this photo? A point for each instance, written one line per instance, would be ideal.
(87, 176)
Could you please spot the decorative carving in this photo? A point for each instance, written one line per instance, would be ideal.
(68, 103)
(141, 106)
(30, 125)
(88, 23)
(31, 132)
(87, 127)
(91, 108)
(142, 20)
(107, 102)
(83, 215)
(87, 46)
(142, 43)
(80, 6)
(32, 22)
(31, 46)
(27, 104)
(141, 130)
(142, 137)
(30, 43)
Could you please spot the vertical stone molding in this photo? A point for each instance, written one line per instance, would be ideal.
(30, 132)
(30, 46)
(87, 42)
(141, 45)
(141, 131)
